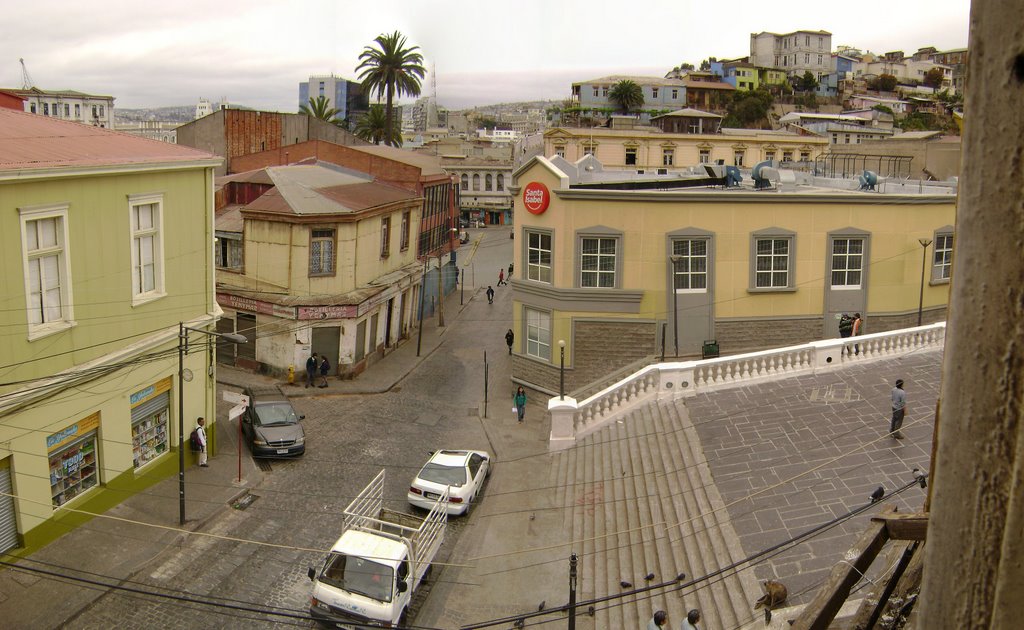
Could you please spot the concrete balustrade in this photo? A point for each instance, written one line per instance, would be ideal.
(572, 419)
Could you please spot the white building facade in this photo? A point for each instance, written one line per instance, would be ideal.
(88, 109)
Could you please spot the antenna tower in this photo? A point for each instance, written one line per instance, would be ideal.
(26, 78)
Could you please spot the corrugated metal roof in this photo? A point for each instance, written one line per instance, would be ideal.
(688, 112)
(316, 189)
(30, 141)
(639, 80)
(428, 164)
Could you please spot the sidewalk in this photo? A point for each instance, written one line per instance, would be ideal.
(379, 377)
(109, 550)
(112, 551)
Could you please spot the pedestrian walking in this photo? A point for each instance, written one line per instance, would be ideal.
(510, 271)
(520, 403)
(325, 369)
(311, 365)
(692, 617)
(509, 338)
(201, 436)
(501, 277)
(899, 409)
(490, 295)
(858, 329)
(658, 621)
(845, 330)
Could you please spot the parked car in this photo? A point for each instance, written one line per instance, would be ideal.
(462, 472)
(270, 424)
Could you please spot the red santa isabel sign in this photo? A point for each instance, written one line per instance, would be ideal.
(536, 197)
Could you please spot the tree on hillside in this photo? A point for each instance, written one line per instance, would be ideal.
(749, 109)
(627, 95)
(887, 83)
(373, 125)
(391, 70)
(320, 109)
(807, 82)
(934, 77)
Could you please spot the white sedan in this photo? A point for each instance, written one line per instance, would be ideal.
(463, 472)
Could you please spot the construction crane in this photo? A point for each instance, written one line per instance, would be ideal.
(26, 78)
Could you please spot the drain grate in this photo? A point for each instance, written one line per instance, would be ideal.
(263, 464)
(244, 502)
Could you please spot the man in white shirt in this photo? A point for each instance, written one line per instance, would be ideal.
(201, 432)
(692, 618)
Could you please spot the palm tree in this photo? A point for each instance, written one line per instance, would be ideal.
(320, 109)
(393, 70)
(372, 126)
(627, 95)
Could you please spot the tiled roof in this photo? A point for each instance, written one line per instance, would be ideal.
(688, 112)
(29, 141)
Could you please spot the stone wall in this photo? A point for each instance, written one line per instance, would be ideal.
(601, 347)
(738, 336)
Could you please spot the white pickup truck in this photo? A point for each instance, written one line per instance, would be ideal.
(372, 572)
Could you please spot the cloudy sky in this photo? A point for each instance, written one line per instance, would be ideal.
(150, 54)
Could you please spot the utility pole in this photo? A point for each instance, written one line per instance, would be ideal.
(440, 292)
(572, 591)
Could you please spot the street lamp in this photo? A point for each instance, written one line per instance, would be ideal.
(561, 370)
(184, 376)
(924, 260)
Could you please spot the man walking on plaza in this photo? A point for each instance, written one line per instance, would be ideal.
(510, 338)
(501, 277)
(311, 367)
(899, 408)
(659, 621)
(490, 295)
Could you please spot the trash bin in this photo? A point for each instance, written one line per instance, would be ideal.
(710, 349)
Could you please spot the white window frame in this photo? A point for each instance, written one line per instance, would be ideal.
(385, 237)
(63, 251)
(538, 271)
(157, 233)
(538, 333)
(774, 235)
(683, 265)
(330, 260)
(942, 267)
(668, 156)
(704, 156)
(850, 263)
(616, 272)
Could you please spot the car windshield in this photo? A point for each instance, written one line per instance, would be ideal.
(275, 414)
(444, 475)
(359, 575)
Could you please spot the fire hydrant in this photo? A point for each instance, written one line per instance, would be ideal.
(291, 374)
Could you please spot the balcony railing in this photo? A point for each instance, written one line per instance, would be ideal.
(572, 419)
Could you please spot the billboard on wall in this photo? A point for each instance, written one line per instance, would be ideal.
(536, 197)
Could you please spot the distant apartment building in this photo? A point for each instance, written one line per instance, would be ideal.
(152, 129)
(205, 107)
(651, 150)
(905, 70)
(956, 60)
(343, 95)
(88, 109)
(743, 75)
(841, 129)
(659, 94)
(234, 133)
(795, 53)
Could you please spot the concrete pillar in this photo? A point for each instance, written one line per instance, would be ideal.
(563, 433)
(974, 562)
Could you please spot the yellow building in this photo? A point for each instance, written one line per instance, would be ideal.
(325, 262)
(650, 149)
(623, 267)
(107, 249)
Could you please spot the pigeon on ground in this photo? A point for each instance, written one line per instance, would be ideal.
(625, 584)
(649, 576)
(922, 478)
(519, 623)
(542, 604)
(590, 610)
(877, 495)
(775, 593)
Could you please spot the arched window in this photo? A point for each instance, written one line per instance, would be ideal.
(501, 182)
(488, 182)
(465, 182)
(476, 181)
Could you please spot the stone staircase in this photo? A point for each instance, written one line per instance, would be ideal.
(638, 497)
